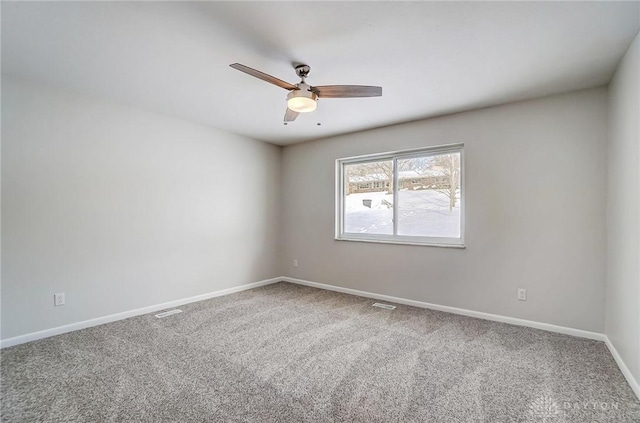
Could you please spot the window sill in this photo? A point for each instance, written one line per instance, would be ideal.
(400, 242)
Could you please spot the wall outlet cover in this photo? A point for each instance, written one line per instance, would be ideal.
(522, 294)
(58, 299)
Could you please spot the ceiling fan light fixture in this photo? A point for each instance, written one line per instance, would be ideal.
(302, 101)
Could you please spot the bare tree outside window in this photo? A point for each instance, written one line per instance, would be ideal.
(449, 166)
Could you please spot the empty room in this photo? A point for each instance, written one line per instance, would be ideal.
(320, 211)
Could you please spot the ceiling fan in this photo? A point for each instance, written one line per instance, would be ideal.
(303, 98)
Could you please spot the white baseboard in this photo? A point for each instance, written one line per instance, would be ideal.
(21, 339)
(623, 367)
(464, 312)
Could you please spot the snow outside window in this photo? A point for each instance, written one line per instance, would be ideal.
(407, 197)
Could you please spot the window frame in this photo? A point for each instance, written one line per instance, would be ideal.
(394, 156)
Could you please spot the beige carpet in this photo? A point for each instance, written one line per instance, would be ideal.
(287, 353)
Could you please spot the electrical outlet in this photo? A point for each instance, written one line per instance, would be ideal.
(295, 263)
(522, 294)
(58, 299)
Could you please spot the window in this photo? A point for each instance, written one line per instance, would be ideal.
(407, 197)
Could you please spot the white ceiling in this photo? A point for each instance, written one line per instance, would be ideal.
(430, 58)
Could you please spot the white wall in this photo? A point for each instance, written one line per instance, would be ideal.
(623, 211)
(121, 208)
(535, 213)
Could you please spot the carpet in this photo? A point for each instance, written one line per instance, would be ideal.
(290, 353)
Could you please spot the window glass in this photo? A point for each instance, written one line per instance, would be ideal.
(429, 196)
(368, 201)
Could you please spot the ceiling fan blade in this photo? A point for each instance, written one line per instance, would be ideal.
(290, 115)
(346, 91)
(265, 77)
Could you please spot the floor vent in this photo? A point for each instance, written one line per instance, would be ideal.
(168, 313)
(385, 306)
